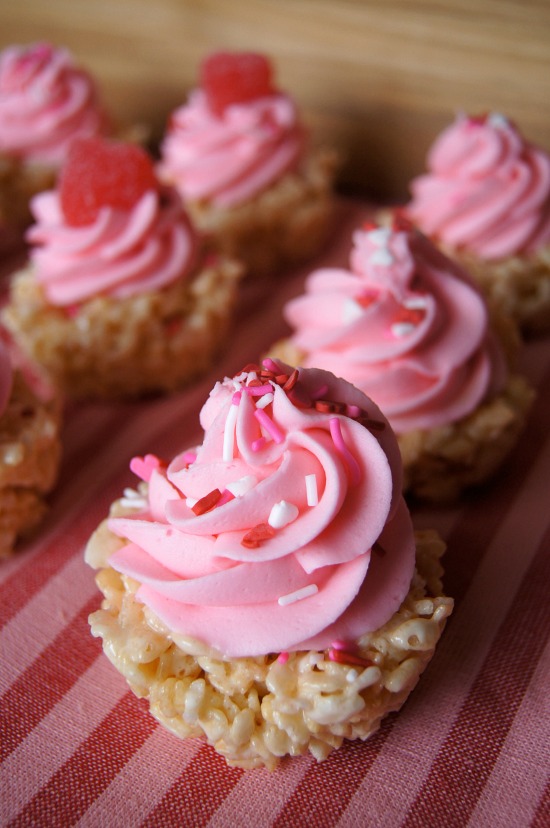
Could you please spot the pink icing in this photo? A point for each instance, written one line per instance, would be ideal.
(229, 158)
(326, 568)
(405, 325)
(487, 189)
(46, 101)
(119, 254)
(6, 376)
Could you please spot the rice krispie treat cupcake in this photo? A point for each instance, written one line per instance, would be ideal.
(30, 449)
(485, 198)
(119, 299)
(265, 591)
(238, 153)
(46, 101)
(407, 326)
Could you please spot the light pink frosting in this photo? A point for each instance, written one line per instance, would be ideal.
(46, 101)
(6, 376)
(336, 563)
(487, 189)
(405, 325)
(120, 254)
(229, 158)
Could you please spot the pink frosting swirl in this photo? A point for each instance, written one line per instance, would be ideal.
(119, 254)
(229, 158)
(405, 325)
(46, 101)
(285, 530)
(6, 375)
(487, 189)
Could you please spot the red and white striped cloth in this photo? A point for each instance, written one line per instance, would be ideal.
(470, 747)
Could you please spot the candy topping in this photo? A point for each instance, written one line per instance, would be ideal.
(228, 78)
(100, 173)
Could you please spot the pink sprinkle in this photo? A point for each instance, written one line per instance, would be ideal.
(273, 430)
(258, 444)
(353, 410)
(225, 498)
(341, 645)
(259, 390)
(320, 393)
(144, 466)
(269, 365)
(282, 658)
(352, 464)
(236, 398)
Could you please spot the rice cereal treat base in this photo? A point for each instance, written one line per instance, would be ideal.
(518, 285)
(439, 464)
(30, 451)
(254, 711)
(286, 224)
(115, 348)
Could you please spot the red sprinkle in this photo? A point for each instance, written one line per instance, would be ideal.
(291, 381)
(343, 657)
(207, 502)
(258, 533)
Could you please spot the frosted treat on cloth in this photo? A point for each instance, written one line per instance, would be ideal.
(486, 199)
(118, 299)
(46, 101)
(407, 326)
(278, 550)
(237, 151)
(30, 449)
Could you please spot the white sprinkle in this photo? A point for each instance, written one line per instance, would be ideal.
(133, 502)
(381, 257)
(351, 310)
(312, 494)
(415, 303)
(380, 236)
(402, 328)
(497, 120)
(242, 486)
(292, 597)
(131, 494)
(190, 501)
(263, 402)
(282, 513)
(229, 432)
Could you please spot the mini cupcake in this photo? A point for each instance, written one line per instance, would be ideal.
(118, 300)
(407, 326)
(486, 200)
(46, 101)
(266, 591)
(30, 449)
(238, 153)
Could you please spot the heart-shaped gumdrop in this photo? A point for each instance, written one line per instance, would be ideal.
(101, 173)
(235, 77)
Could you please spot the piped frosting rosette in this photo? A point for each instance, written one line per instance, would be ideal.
(285, 529)
(119, 254)
(405, 325)
(46, 101)
(487, 189)
(228, 158)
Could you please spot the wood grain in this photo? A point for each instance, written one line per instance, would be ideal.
(378, 79)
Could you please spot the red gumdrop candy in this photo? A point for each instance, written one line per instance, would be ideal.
(235, 77)
(100, 173)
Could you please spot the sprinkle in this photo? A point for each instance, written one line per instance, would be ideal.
(259, 390)
(415, 303)
(353, 411)
(381, 257)
(264, 401)
(495, 119)
(225, 498)
(144, 466)
(282, 513)
(340, 645)
(270, 365)
(343, 657)
(336, 434)
(258, 444)
(133, 499)
(351, 311)
(329, 407)
(400, 329)
(380, 236)
(242, 485)
(282, 658)
(299, 595)
(229, 431)
(273, 430)
(258, 533)
(236, 398)
(312, 495)
(291, 381)
(207, 502)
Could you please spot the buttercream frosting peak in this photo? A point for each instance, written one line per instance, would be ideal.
(260, 540)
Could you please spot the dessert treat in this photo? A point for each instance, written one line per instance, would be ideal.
(238, 153)
(407, 326)
(485, 198)
(265, 591)
(46, 101)
(118, 299)
(30, 449)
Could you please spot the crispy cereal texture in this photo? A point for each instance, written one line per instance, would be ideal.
(286, 224)
(115, 348)
(439, 464)
(30, 451)
(254, 711)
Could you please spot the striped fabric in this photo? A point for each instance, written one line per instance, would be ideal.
(470, 747)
